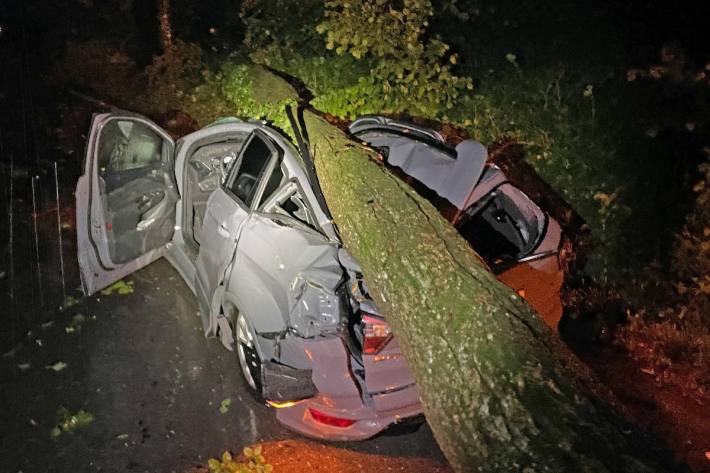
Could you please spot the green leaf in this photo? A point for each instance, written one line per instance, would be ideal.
(68, 422)
(121, 287)
(58, 366)
(224, 405)
(76, 323)
(70, 301)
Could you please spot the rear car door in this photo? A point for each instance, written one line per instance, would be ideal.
(227, 209)
(282, 250)
(125, 198)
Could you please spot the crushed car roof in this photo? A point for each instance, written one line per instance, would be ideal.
(422, 154)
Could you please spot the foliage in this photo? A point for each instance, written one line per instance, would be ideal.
(295, 48)
(68, 422)
(180, 79)
(57, 367)
(70, 301)
(280, 25)
(412, 72)
(384, 56)
(255, 463)
(548, 109)
(119, 287)
(691, 258)
(363, 66)
(591, 133)
(224, 405)
(77, 321)
(256, 94)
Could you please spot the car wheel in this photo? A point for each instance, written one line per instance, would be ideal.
(248, 355)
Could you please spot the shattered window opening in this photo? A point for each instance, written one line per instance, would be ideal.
(289, 201)
(251, 169)
(503, 228)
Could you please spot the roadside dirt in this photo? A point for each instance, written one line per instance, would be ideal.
(300, 456)
(680, 418)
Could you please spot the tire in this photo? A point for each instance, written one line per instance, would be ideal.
(248, 357)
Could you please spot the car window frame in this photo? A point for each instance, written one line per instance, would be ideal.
(275, 158)
(492, 194)
(300, 224)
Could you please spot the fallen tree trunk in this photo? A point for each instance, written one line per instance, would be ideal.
(500, 392)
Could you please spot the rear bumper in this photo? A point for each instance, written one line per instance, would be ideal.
(368, 421)
(338, 395)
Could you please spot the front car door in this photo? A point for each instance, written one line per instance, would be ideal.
(125, 198)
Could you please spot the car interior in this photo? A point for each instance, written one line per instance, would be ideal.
(503, 225)
(207, 168)
(251, 168)
(137, 187)
(289, 201)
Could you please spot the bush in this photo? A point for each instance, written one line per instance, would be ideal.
(410, 71)
(376, 58)
(691, 258)
(181, 80)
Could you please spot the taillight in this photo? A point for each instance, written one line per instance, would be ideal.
(326, 419)
(376, 334)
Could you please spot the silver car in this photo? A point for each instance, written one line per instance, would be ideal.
(237, 210)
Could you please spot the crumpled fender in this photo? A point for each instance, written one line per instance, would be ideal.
(316, 308)
(285, 279)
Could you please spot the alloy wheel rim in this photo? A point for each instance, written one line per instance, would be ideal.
(245, 343)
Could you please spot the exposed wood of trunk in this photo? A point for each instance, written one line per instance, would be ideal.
(166, 29)
(500, 391)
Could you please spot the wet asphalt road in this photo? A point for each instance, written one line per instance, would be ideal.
(152, 381)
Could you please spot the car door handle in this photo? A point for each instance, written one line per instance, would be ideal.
(223, 231)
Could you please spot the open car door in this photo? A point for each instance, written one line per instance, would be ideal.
(125, 198)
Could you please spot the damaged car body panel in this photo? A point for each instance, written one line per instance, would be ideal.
(233, 209)
(452, 174)
(517, 239)
(294, 274)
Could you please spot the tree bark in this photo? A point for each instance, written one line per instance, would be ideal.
(500, 391)
(165, 25)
